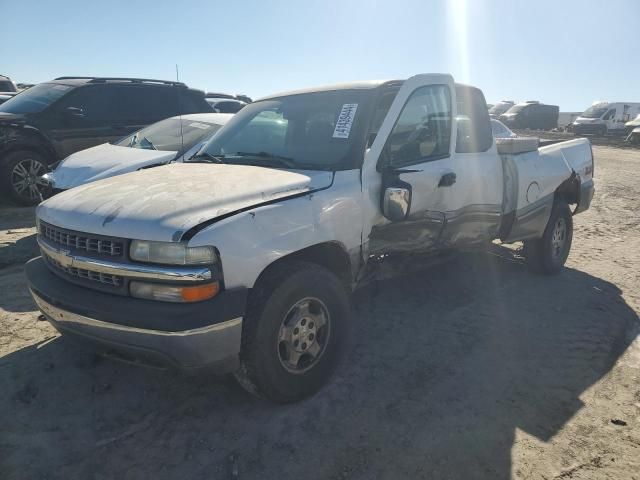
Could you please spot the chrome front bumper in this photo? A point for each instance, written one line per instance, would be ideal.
(213, 348)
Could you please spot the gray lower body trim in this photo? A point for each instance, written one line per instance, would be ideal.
(531, 220)
(471, 224)
(216, 346)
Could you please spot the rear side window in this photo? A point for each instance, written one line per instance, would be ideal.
(474, 127)
(228, 107)
(142, 105)
(192, 102)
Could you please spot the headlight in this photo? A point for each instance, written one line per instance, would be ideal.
(173, 293)
(171, 253)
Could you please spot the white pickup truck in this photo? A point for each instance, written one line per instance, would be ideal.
(242, 260)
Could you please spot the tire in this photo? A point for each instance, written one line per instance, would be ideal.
(279, 331)
(547, 255)
(19, 176)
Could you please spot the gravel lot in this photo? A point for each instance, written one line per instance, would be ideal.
(470, 369)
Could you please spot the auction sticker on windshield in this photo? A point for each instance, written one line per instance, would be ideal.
(345, 120)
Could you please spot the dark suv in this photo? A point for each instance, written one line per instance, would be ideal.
(52, 120)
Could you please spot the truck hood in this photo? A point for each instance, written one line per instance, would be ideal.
(104, 161)
(164, 202)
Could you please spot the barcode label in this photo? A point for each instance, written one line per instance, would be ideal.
(345, 120)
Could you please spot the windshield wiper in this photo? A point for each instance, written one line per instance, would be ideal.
(207, 158)
(278, 160)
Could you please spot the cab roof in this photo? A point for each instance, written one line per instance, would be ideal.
(361, 85)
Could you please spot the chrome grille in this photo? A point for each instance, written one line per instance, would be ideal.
(105, 278)
(81, 241)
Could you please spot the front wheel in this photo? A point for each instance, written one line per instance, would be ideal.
(21, 176)
(547, 255)
(293, 333)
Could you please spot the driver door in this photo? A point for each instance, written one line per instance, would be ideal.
(413, 152)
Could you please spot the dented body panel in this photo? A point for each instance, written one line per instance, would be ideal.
(250, 241)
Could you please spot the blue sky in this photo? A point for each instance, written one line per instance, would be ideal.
(565, 52)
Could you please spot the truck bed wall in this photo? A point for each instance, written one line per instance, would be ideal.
(531, 180)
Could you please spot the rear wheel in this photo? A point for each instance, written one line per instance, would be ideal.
(293, 333)
(21, 174)
(547, 255)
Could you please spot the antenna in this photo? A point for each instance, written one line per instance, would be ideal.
(180, 113)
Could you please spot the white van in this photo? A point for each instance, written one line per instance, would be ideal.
(604, 117)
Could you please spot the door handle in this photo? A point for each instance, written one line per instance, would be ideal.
(447, 179)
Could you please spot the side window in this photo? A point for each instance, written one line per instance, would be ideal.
(423, 130)
(610, 114)
(495, 127)
(94, 104)
(228, 107)
(192, 102)
(142, 105)
(474, 126)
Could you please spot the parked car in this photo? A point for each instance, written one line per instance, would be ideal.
(501, 107)
(52, 120)
(605, 118)
(632, 131)
(7, 85)
(171, 140)
(531, 114)
(224, 103)
(500, 130)
(242, 259)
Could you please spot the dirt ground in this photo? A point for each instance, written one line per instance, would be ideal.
(471, 369)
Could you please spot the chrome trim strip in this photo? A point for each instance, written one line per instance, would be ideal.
(63, 316)
(130, 270)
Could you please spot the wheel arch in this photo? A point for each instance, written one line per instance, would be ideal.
(331, 255)
(569, 190)
(33, 142)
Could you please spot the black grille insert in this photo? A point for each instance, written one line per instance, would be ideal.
(82, 241)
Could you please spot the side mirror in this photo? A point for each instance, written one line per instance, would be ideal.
(74, 112)
(396, 203)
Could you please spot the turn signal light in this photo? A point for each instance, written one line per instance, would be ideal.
(174, 293)
(200, 292)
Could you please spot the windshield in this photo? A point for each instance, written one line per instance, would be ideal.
(500, 108)
(594, 112)
(35, 99)
(7, 86)
(165, 135)
(314, 130)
